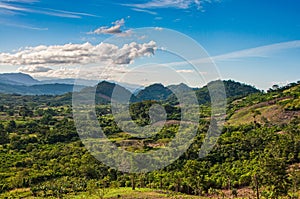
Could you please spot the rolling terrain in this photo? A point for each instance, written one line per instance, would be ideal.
(258, 152)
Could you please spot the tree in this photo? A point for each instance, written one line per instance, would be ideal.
(274, 173)
(275, 87)
(1, 108)
(11, 126)
(133, 183)
(255, 114)
(256, 185)
(46, 119)
(195, 173)
(25, 112)
(4, 139)
(294, 176)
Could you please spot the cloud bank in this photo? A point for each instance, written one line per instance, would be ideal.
(78, 54)
(34, 69)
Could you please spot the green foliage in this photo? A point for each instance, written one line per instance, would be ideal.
(3, 135)
(40, 150)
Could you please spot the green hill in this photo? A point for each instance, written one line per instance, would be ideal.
(154, 92)
(258, 152)
(277, 107)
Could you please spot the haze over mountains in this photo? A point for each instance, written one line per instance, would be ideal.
(17, 79)
(19, 83)
(23, 84)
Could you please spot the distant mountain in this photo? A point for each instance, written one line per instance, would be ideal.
(24, 84)
(180, 88)
(83, 82)
(234, 90)
(19, 83)
(105, 91)
(43, 89)
(154, 92)
(17, 79)
(25, 79)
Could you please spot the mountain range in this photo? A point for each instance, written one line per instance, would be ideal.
(17, 79)
(19, 83)
(158, 92)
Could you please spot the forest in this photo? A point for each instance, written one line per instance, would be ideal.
(256, 156)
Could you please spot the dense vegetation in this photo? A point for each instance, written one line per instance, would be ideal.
(256, 156)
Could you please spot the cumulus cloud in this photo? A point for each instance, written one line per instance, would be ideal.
(115, 29)
(63, 72)
(78, 54)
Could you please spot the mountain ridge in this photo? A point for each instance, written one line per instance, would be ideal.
(24, 84)
(17, 79)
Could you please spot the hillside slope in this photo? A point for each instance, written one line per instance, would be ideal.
(274, 108)
(17, 79)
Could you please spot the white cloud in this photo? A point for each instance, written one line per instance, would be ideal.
(34, 69)
(115, 29)
(145, 11)
(23, 26)
(78, 54)
(14, 9)
(61, 73)
(102, 72)
(261, 51)
(159, 28)
(185, 71)
(21, 1)
(179, 4)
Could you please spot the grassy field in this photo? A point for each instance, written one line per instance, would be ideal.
(112, 193)
(139, 193)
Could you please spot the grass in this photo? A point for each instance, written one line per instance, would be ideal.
(115, 193)
(112, 193)
(274, 113)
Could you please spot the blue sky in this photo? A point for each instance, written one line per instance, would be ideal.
(256, 42)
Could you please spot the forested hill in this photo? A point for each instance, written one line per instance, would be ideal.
(19, 83)
(257, 154)
(159, 92)
(234, 90)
